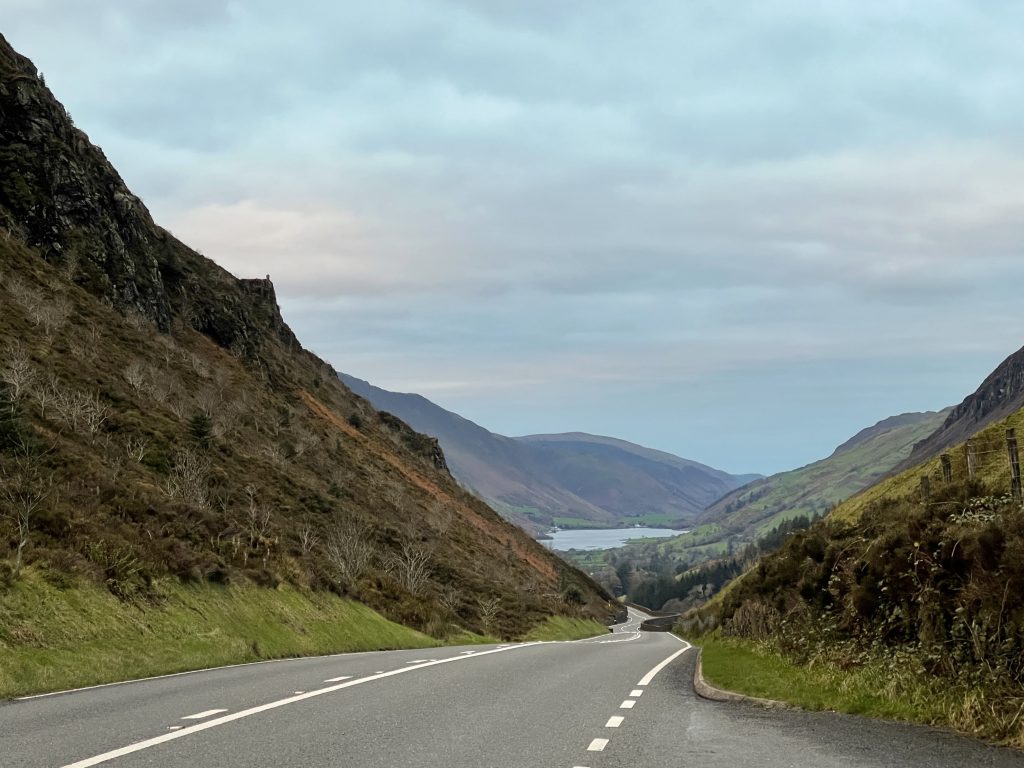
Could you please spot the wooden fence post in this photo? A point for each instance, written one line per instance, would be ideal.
(947, 468)
(1011, 448)
(926, 488)
(972, 460)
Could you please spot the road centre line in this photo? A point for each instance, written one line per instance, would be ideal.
(614, 722)
(203, 715)
(627, 704)
(163, 738)
(335, 680)
(597, 745)
(636, 692)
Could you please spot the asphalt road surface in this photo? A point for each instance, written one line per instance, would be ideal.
(624, 699)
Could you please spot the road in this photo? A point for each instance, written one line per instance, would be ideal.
(623, 699)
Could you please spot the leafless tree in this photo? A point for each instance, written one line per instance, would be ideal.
(135, 375)
(258, 522)
(45, 394)
(350, 551)
(136, 447)
(306, 441)
(442, 517)
(410, 565)
(488, 609)
(307, 536)
(24, 295)
(23, 491)
(18, 371)
(189, 479)
(450, 598)
(52, 315)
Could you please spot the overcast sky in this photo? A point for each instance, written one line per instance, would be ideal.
(736, 231)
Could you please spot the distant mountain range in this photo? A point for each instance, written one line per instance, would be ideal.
(569, 480)
(861, 461)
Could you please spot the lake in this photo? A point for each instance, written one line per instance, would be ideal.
(602, 538)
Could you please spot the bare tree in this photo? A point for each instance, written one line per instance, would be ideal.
(450, 598)
(307, 536)
(410, 565)
(488, 610)
(52, 315)
(136, 447)
(189, 479)
(23, 491)
(258, 523)
(350, 551)
(442, 517)
(135, 375)
(17, 372)
(45, 394)
(24, 295)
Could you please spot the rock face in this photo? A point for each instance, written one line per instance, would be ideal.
(59, 194)
(1001, 394)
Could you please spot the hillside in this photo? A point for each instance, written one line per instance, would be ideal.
(569, 480)
(924, 589)
(811, 490)
(1001, 394)
(160, 425)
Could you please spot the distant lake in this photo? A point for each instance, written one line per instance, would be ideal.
(602, 538)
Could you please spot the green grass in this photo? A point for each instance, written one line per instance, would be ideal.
(565, 628)
(52, 638)
(872, 689)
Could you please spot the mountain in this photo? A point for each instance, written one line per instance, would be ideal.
(1000, 394)
(161, 427)
(570, 480)
(811, 490)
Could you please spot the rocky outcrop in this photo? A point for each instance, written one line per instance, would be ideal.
(60, 195)
(1001, 394)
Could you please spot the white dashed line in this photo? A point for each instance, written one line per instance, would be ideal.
(636, 692)
(202, 715)
(419, 661)
(627, 704)
(614, 722)
(175, 727)
(224, 719)
(338, 679)
(298, 692)
(597, 745)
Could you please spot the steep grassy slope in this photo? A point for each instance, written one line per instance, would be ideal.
(812, 490)
(925, 591)
(570, 480)
(159, 420)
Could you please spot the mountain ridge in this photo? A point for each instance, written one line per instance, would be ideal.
(569, 479)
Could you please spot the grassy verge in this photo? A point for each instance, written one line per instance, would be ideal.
(564, 628)
(52, 638)
(874, 688)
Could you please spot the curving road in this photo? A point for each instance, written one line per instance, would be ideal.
(623, 699)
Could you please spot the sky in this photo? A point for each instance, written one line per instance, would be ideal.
(739, 232)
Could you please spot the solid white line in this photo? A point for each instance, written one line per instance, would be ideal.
(627, 704)
(203, 715)
(335, 680)
(614, 722)
(597, 745)
(646, 679)
(140, 745)
(637, 692)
